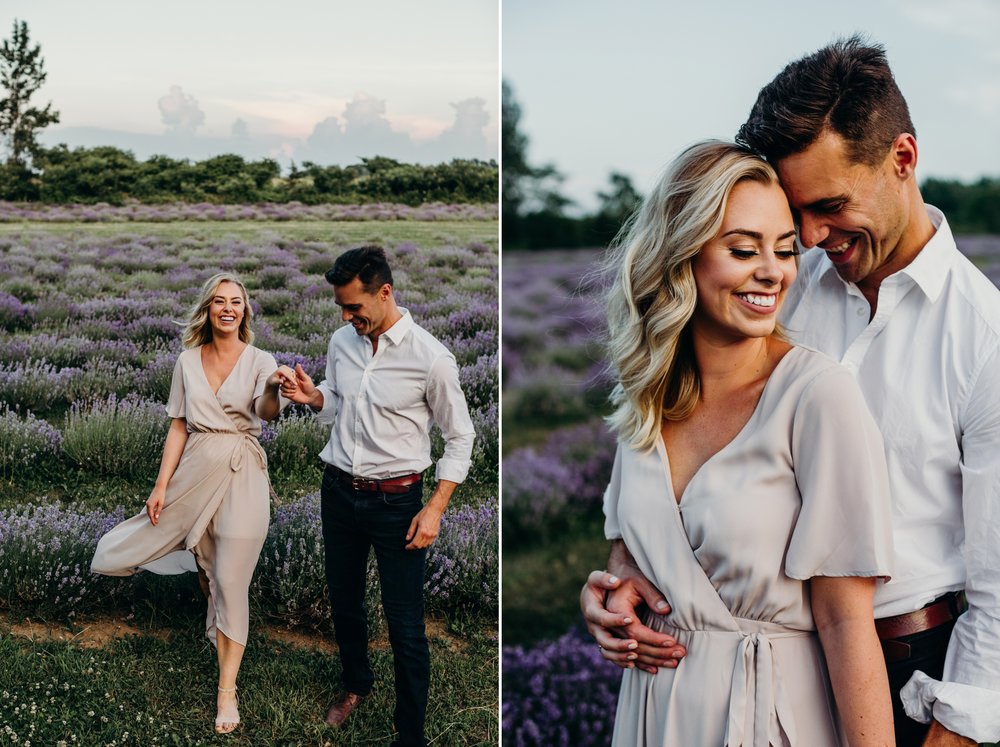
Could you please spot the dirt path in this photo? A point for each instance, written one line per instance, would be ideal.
(100, 631)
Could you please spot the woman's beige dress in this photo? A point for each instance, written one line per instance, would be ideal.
(801, 491)
(217, 504)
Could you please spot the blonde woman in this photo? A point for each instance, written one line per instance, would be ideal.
(211, 501)
(750, 483)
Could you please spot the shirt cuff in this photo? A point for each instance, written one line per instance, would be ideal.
(973, 712)
(452, 470)
(327, 414)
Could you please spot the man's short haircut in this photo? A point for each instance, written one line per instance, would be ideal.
(367, 263)
(846, 88)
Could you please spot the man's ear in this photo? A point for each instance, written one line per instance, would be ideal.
(904, 155)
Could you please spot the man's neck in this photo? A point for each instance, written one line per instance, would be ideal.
(918, 232)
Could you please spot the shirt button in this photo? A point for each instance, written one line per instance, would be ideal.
(862, 312)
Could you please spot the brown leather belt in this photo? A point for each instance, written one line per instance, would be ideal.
(942, 610)
(394, 485)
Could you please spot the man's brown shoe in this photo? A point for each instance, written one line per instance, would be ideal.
(342, 708)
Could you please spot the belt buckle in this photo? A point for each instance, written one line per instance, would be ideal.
(362, 483)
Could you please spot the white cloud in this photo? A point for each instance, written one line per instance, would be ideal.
(180, 112)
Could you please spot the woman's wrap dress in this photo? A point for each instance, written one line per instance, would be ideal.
(801, 491)
(217, 504)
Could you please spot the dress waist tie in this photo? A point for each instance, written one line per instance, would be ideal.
(247, 443)
(759, 708)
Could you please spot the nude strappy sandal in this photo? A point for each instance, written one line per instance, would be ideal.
(220, 721)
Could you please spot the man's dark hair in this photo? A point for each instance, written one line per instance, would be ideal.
(846, 88)
(367, 263)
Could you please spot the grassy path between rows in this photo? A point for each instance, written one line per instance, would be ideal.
(108, 681)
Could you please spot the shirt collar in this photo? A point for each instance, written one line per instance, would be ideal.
(400, 328)
(929, 268)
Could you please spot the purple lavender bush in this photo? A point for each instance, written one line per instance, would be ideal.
(293, 444)
(549, 488)
(558, 693)
(116, 437)
(45, 554)
(29, 447)
(463, 564)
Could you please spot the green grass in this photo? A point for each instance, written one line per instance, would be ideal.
(160, 690)
(541, 584)
(423, 233)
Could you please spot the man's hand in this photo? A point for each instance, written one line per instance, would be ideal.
(424, 528)
(609, 602)
(298, 387)
(939, 736)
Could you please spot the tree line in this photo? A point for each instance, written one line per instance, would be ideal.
(107, 174)
(534, 212)
(32, 172)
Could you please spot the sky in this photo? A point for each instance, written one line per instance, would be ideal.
(625, 86)
(328, 81)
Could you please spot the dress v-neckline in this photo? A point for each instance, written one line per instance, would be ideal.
(204, 373)
(662, 446)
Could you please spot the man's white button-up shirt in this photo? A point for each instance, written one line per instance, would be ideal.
(381, 406)
(928, 364)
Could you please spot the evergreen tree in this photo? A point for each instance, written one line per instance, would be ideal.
(22, 73)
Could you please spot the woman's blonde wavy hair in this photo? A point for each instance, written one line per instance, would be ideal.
(198, 330)
(653, 295)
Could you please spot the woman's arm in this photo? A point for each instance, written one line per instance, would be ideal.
(173, 448)
(842, 608)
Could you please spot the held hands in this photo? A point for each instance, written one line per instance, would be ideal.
(296, 385)
(154, 504)
(609, 604)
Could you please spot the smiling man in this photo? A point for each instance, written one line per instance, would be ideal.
(386, 380)
(887, 294)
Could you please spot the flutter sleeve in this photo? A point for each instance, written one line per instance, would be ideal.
(612, 528)
(844, 526)
(175, 403)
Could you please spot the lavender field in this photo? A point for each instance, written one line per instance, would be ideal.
(90, 298)
(556, 463)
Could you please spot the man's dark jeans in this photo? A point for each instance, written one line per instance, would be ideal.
(354, 521)
(928, 652)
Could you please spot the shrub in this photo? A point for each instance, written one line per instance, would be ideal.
(152, 381)
(29, 447)
(36, 385)
(558, 693)
(45, 554)
(293, 444)
(481, 381)
(121, 438)
(549, 488)
(463, 564)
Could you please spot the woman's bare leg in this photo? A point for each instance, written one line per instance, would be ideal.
(230, 655)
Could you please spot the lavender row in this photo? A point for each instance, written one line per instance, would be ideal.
(178, 211)
(558, 693)
(45, 553)
(551, 487)
(121, 437)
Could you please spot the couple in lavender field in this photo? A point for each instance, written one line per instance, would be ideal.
(803, 515)
(386, 379)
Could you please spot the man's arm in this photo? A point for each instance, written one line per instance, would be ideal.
(967, 700)
(427, 523)
(609, 602)
(449, 410)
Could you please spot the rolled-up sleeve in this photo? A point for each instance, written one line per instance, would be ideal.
(450, 411)
(967, 699)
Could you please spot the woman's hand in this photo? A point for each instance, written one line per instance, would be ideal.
(154, 504)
